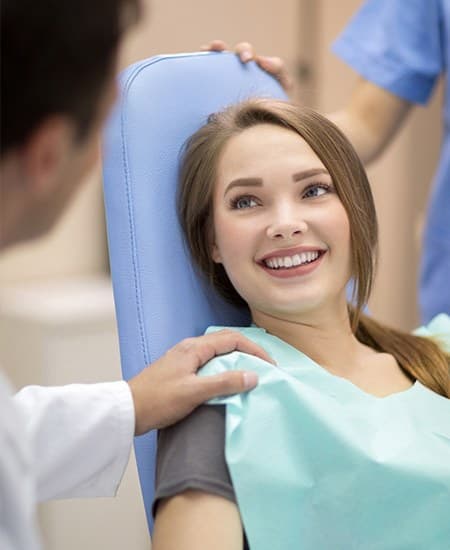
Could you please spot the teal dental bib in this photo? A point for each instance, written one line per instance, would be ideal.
(318, 464)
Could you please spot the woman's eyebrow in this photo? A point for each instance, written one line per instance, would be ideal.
(244, 182)
(258, 182)
(308, 173)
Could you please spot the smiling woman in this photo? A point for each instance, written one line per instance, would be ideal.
(278, 214)
(324, 152)
(293, 218)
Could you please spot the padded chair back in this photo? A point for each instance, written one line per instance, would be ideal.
(159, 297)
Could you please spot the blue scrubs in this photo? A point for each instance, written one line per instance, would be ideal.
(403, 47)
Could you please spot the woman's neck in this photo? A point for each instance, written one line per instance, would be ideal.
(327, 339)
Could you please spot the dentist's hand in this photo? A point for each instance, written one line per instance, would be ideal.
(168, 390)
(271, 64)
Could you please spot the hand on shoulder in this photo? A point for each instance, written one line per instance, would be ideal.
(169, 389)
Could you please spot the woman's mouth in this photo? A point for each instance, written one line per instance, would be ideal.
(292, 265)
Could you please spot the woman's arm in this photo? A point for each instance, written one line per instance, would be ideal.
(194, 520)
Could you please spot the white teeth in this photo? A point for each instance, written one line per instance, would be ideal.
(291, 261)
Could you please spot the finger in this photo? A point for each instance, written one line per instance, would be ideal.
(215, 46)
(276, 67)
(196, 352)
(225, 383)
(245, 51)
(226, 341)
(273, 65)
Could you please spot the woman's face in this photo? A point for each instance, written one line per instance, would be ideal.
(280, 230)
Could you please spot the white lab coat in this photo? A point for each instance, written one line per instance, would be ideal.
(58, 442)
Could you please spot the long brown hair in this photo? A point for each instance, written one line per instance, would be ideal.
(421, 358)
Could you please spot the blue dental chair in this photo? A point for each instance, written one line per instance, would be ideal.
(159, 297)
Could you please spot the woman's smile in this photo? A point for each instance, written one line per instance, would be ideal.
(289, 263)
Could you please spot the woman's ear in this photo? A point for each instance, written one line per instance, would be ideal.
(215, 254)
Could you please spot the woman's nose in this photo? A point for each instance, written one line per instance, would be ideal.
(286, 229)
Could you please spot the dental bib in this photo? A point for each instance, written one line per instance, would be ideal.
(318, 464)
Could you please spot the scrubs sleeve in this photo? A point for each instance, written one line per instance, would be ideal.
(397, 45)
(80, 437)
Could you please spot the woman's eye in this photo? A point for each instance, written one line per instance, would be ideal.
(316, 190)
(244, 202)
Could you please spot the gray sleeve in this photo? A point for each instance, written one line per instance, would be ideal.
(191, 455)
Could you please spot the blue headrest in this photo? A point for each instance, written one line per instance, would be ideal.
(159, 297)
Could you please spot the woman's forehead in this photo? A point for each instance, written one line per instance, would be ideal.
(263, 147)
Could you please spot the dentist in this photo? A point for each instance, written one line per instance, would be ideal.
(58, 66)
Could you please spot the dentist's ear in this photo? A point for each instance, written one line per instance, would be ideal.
(44, 154)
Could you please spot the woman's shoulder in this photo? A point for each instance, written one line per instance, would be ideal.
(237, 360)
(252, 332)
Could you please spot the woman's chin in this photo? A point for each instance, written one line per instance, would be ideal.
(289, 311)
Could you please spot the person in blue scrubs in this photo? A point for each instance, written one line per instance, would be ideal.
(403, 50)
(400, 49)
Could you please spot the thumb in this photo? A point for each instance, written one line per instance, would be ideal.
(225, 383)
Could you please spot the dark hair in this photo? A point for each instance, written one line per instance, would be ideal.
(421, 358)
(56, 58)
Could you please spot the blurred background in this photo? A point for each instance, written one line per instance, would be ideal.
(55, 294)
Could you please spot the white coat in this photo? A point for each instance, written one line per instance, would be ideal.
(59, 442)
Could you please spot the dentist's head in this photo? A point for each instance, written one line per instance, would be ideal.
(58, 60)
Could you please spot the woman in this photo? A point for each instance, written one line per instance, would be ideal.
(278, 214)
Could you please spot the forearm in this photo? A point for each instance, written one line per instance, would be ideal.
(195, 521)
(370, 119)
